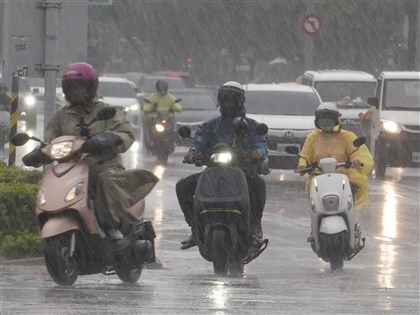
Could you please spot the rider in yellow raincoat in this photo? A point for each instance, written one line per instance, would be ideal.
(329, 140)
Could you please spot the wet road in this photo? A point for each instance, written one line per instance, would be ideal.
(287, 278)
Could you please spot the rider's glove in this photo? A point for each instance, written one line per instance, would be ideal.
(189, 158)
(255, 155)
(105, 142)
(356, 164)
(300, 167)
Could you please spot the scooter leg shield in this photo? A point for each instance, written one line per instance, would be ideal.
(332, 225)
(57, 225)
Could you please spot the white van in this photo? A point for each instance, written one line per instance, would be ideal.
(397, 99)
(350, 90)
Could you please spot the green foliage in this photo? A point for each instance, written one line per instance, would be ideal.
(23, 244)
(18, 226)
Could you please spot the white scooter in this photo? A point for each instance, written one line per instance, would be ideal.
(336, 232)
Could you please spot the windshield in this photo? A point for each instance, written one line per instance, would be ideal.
(402, 94)
(196, 101)
(281, 103)
(356, 93)
(115, 89)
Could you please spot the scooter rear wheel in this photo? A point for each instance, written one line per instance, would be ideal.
(61, 267)
(127, 272)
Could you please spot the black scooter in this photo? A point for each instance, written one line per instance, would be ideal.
(221, 223)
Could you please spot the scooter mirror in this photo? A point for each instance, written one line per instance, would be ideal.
(19, 139)
(184, 132)
(358, 142)
(146, 100)
(178, 100)
(262, 129)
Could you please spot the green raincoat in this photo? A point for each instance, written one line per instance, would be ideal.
(116, 189)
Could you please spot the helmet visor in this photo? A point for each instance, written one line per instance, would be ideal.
(69, 85)
(230, 97)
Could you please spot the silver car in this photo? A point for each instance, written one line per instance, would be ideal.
(288, 109)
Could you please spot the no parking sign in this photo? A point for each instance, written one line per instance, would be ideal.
(311, 24)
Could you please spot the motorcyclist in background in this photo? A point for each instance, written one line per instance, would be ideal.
(329, 140)
(115, 190)
(231, 99)
(161, 100)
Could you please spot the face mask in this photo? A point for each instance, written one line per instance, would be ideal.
(326, 124)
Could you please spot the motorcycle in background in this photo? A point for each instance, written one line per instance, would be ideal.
(221, 223)
(336, 232)
(160, 138)
(74, 242)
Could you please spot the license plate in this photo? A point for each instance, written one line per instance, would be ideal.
(416, 156)
(281, 147)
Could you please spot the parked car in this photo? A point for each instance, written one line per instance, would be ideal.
(288, 109)
(147, 84)
(397, 99)
(37, 86)
(121, 93)
(135, 77)
(27, 104)
(198, 106)
(350, 90)
(186, 76)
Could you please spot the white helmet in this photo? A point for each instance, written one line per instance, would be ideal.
(327, 117)
(232, 93)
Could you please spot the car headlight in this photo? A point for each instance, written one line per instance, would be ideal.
(75, 191)
(61, 149)
(29, 100)
(391, 126)
(133, 108)
(331, 202)
(221, 157)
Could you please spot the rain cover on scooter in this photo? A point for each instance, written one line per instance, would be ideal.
(222, 195)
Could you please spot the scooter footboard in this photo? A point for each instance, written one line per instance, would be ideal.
(332, 224)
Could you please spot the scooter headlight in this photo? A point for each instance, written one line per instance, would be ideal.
(41, 198)
(391, 126)
(331, 202)
(61, 149)
(75, 192)
(222, 157)
(160, 128)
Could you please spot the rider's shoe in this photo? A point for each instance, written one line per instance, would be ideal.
(257, 235)
(188, 243)
(310, 238)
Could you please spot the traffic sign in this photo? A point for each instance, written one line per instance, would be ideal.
(311, 24)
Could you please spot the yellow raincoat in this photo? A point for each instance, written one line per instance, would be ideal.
(164, 102)
(319, 144)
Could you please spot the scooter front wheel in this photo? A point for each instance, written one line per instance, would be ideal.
(236, 267)
(61, 267)
(220, 262)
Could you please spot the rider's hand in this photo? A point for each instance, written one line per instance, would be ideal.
(300, 167)
(189, 158)
(255, 155)
(356, 164)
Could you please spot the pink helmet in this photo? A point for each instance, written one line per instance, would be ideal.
(80, 73)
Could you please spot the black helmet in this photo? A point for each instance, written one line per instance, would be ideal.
(231, 94)
(162, 86)
(327, 117)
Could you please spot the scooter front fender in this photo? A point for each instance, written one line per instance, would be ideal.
(58, 225)
(332, 224)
